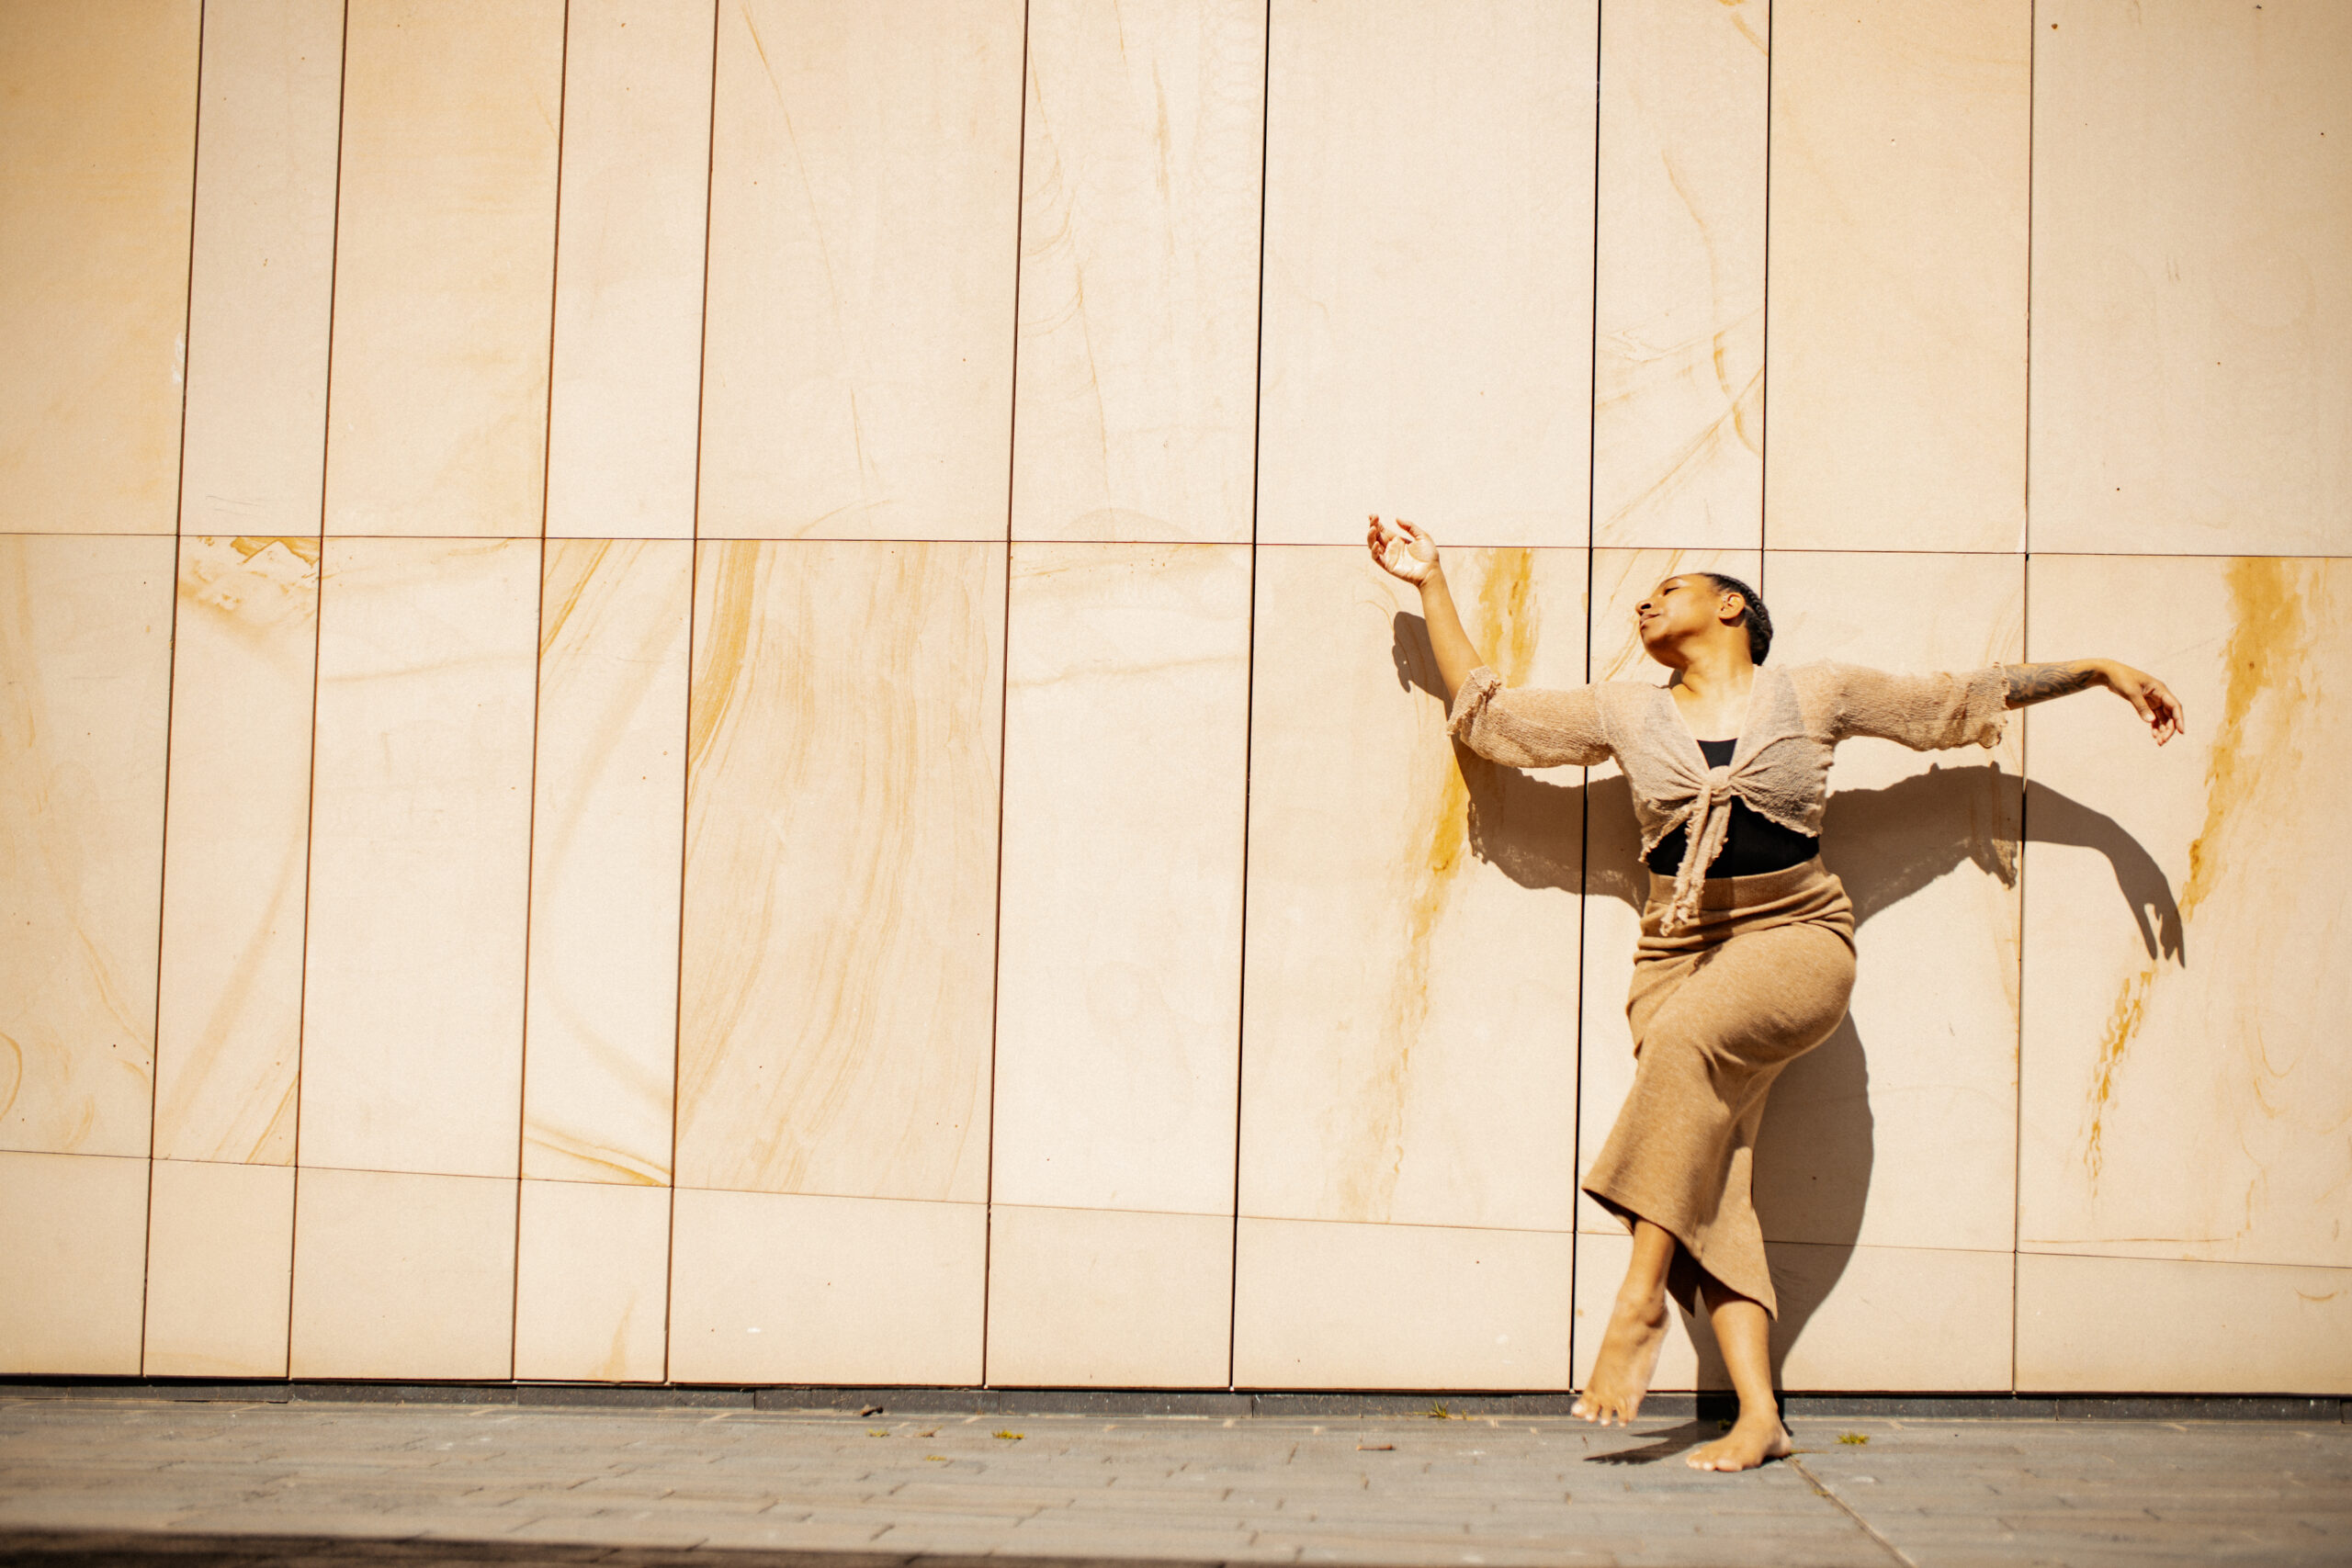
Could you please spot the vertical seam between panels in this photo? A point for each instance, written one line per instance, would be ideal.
(171, 678)
(538, 662)
(1004, 686)
(2025, 726)
(1249, 688)
(1584, 829)
(318, 643)
(686, 750)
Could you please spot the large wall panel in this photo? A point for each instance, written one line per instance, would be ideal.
(600, 1044)
(1854, 1165)
(444, 262)
(236, 861)
(1109, 1298)
(1135, 415)
(1408, 1003)
(2184, 1092)
(97, 143)
(1678, 386)
(1408, 1013)
(85, 687)
(1392, 1306)
(841, 869)
(219, 1269)
(769, 1287)
(262, 280)
(591, 1281)
(2155, 1325)
(625, 410)
(865, 192)
(1863, 1132)
(2192, 278)
(1428, 294)
(1897, 286)
(1118, 976)
(73, 1229)
(420, 854)
(1118, 980)
(398, 1275)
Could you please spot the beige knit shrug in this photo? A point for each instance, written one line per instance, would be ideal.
(1781, 767)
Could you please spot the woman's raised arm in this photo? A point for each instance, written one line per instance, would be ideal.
(1521, 727)
(1406, 550)
(2149, 697)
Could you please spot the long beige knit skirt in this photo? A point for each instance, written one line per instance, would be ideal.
(1718, 1008)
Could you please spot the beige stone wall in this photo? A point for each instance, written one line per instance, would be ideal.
(687, 691)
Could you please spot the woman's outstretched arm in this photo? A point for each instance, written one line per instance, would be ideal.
(2149, 697)
(1406, 550)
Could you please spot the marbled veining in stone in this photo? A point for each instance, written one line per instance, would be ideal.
(1126, 769)
(85, 672)
(2192, 278)
(1138, 392)
(261, 280)
(1428, 287)
(2185, 1094)
(625, 402)
(420, 856)
(444, 268)
(600, 1048)
(1408, 997)
(1900, 164)
(841, 869)
(865, 195)
(1677, 395)
(236, 860)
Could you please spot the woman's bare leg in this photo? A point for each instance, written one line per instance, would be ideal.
(1743, 1335)
(1636, 1332)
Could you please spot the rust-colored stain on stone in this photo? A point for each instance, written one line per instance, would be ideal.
(1504, 621)
(2269, 642)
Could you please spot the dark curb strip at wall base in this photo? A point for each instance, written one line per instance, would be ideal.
(1177, 1402)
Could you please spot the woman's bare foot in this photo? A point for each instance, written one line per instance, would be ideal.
(1751, 1441)
(1628, 1359)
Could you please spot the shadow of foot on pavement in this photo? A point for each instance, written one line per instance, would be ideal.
(1667, 1444)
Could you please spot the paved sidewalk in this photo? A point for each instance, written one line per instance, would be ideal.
(103, 1480)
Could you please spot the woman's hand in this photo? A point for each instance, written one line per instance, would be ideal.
(1404, 550)
(2149, 697)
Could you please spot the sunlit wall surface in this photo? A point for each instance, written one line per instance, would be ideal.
(690, 691)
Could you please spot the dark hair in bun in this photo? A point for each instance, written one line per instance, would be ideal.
(1758, 619)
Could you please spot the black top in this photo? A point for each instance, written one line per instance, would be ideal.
(1753, 844)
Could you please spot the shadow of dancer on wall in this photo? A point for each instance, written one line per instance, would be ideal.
(1814, 1153)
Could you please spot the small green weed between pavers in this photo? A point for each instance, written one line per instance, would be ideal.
(1856, 1438)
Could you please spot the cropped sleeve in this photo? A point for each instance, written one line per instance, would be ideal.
(1926, 712)
(1528, 726)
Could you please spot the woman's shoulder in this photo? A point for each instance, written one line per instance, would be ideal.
(1626, 694)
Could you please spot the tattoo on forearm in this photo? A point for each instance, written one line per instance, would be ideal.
(2030, 684)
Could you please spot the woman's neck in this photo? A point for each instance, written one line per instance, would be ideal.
(1713, 674)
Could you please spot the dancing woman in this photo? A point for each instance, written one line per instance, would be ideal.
(1747, 953)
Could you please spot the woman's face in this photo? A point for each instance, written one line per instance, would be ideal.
(1676, 610)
